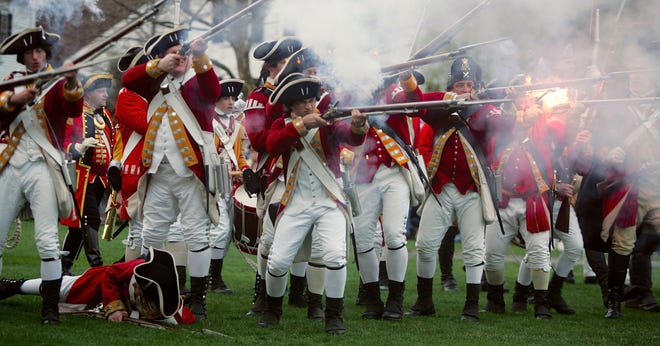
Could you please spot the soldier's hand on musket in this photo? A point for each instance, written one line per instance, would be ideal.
(564, 189)
(71, 76)
(358, 119)
(616, 155)
(314, 120)
(198, 47)
(170, 62)
(24, 97)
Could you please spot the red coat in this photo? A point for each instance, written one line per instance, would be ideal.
(131, 115)
(200, 93)
(104, 284)
(283, 137)
(259, 117)
(94, 162)
(517, 177)
(453, 166)
(374, 153)
(57, 106)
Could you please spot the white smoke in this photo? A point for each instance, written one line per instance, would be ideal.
(355, 38)
(60, 12)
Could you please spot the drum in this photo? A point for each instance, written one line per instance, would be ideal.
(246, 222)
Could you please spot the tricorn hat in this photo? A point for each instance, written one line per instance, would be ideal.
(158, 279)
(271, 51)
(298, 62)
(97, 81)
(157, 45)
(133, 56)
(28, 39)
(295, 87)
(231, 87)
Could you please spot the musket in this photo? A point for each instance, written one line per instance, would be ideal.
(447, 35)
(40, 78)
(570, 82)
(185, 49)
(336, 113)
(437, 58)
(119, 34)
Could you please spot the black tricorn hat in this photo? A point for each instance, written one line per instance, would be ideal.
(231, 87)
(298, 62)
(158, 279)
(97, 81)
(271, 51)
(133, 56)
(295, 87)
(28, 39)
(157, 45)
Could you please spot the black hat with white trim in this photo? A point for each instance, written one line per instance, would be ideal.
(133, 56)
(159, 44)
(295, 87)
(300, 61)
(272, 51)
(158, 279)
(28, 39)
(231, 87)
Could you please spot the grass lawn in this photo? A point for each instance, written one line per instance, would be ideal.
(20, 315)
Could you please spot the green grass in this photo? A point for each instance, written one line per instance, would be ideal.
(20, 323)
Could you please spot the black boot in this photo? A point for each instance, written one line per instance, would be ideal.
(71, 246)
(495, 299)
(198, 286)
(272, 312)
(315, 306)
(424, 304)
(9, 287)
(362, 294)
(297, 288)
(555, 299)
(614, 302)
(383, 279)
(471, 307)
(50, 297)
(520, 293)
(217, 284)
(259, 300)
(541, 307)
(334, 323)
(183, 290)
(92, 248)
(617, 268)
(394, 305)
(374, 304)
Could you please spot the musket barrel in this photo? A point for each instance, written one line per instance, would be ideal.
(569, 82)
(406, 107)
(52, 73)
(436, 58)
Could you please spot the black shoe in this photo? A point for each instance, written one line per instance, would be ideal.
(9, 288)
(272, 313)
(450, 285)
(421, 309)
